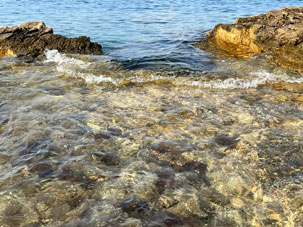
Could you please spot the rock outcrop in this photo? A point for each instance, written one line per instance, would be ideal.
(31, 39)
(278, 34)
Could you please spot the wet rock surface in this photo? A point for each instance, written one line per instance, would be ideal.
(31, 39)
(277, 34)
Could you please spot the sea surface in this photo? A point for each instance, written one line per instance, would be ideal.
(155, 132)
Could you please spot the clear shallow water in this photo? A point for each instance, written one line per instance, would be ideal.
(123, 140)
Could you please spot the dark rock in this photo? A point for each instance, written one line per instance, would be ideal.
(171, 146)
(214, 196)
(34, 224)
(45, 173)
(31, 39)
(102, 135)
(166, 174)
(4, 121)
(11, 215)
(115, 132)
(75, 202)
(278, 34)
(68, 173)
(135, 207)
(197, 166)
(162, 147)
(106, 158)
(226, 141)
(166, 179)
(165, 219)
(109, 133)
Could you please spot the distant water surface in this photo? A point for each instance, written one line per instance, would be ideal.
(141, 33)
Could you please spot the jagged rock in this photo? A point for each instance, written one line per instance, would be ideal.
(31, 39)
(278, 34)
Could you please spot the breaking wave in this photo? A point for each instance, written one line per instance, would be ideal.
(73, 67)
(253, 80)
(78, 69)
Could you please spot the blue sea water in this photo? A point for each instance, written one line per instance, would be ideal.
(139, 33)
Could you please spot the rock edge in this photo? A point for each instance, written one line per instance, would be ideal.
(277, 34)
(31, 39)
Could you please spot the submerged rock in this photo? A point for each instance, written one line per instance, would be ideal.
(31, 39)
(135, 207)
(226, 141)
(278, 34)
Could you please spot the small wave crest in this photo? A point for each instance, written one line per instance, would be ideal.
(253, 80)
(81, 69)
(78, 69)
(74, 67)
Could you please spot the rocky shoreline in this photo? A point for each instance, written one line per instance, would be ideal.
(277, 34)
(31, 39)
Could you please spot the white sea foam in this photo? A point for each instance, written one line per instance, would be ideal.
(62, 59)
(73, 67)
(76, 68)
(253, 80)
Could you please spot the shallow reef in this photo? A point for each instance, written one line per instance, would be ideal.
(84, 142)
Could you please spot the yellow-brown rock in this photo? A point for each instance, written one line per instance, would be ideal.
(233, 40)
(6, 53)
(278, 34)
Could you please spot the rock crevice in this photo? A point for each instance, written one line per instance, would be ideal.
(31, 39)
